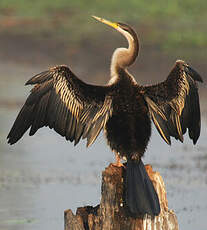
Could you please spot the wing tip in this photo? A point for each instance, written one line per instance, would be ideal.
(11, 140)
(40, 78)
(195, 139)
(29, 82)
(193, 73)
(32, 81)
(169, 142)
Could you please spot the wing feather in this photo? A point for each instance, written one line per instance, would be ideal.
(174, 104)
(40, 111)
(25, 117)
(63, 102)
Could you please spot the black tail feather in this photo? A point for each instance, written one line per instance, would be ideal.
(141, 197)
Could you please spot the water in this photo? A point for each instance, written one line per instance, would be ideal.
(43, 175)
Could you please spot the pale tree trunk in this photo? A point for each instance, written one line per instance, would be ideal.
(111, 214)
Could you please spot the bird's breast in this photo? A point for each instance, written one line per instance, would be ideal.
(129, 128)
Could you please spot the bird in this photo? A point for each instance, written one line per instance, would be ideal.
(122, 108)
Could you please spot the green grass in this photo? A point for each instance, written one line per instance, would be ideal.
(165, 23)
(18, 221)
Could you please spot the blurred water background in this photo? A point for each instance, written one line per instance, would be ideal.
(43, 175)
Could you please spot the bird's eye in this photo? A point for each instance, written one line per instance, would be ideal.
(126, 29)
(123, 26)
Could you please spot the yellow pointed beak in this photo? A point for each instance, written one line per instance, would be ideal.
(112, 24)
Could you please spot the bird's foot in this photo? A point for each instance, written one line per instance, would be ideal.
(118, 164)
(118, 161)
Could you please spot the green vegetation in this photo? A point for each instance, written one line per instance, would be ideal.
(18, 221)
(165, 23)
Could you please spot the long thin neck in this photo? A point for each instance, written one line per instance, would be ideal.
(124, 57)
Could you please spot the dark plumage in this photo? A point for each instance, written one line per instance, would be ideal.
(123, 108)
(63, 102)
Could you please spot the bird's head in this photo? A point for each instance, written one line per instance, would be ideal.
(123, 57)
(124, 29)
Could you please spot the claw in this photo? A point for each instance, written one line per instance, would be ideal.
(118, 161)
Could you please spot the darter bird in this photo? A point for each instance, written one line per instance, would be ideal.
(122, 108)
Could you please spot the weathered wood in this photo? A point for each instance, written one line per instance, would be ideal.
(111, 214)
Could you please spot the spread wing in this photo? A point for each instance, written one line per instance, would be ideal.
(174, 104)
(63, 102)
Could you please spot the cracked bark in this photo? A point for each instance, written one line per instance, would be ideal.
(112, 214)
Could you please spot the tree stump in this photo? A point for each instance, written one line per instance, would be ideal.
(111, 214)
